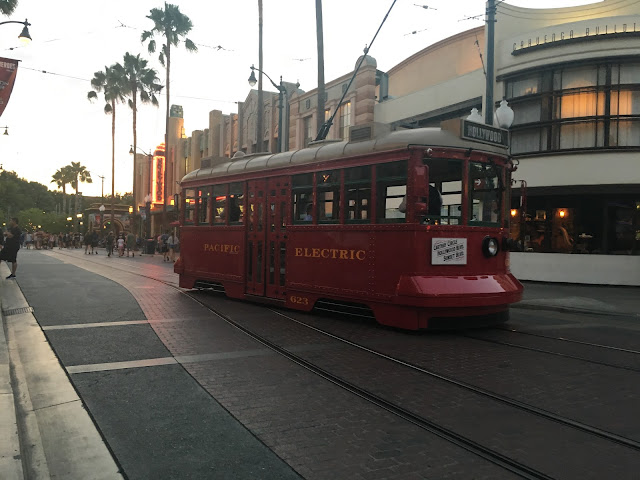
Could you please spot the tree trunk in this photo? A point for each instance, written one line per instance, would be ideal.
(260, 111)
(64, 199)
(166, 143)
(320, 42)
(135, 147)
(113, 163)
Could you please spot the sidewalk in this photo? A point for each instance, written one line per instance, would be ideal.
(591, 299)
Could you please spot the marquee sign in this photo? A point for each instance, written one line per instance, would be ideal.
(157, 190)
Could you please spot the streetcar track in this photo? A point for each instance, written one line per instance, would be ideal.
(495, 396)
(549, 352)
(447, 434)
(568, 340)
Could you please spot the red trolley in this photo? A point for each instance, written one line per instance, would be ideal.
(411, 226)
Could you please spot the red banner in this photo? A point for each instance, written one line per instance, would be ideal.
(8, 70)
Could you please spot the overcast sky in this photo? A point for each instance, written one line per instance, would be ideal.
(51, 122)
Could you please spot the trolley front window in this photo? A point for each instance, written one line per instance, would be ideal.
(485, 194)
(445, 191)
(236, 203)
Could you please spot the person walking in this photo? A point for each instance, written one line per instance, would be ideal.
(131, 244)
(120, 246)
(173, 242)
(9, 252)
(94, 242)
(109, 244)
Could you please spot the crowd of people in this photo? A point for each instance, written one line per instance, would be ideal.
(123, 243)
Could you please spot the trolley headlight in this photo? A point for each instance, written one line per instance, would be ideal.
(490, 246)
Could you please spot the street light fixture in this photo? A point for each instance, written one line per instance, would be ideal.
(102, 209)
(281, 91)
(24, 35)
(6, 131)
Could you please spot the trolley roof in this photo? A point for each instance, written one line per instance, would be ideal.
(428, 137)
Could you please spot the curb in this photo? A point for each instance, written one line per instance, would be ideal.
(586, 311)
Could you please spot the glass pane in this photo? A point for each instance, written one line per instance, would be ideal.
(357, 174)
(236, 202)
(328, 205)
(527, 112)
(580, 77)
(283, 257)
(630, 73)
(485, 193)
(390, 199)
(445, 190)
(220, 194)
(525, 86)
(204, 198)
(392, 170)
(628, 133)
(357, 203)
(303, 205)
(581, 104)
(578, 135)
(190, 204)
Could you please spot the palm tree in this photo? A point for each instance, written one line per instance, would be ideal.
(173, 25)
(80, 174)
(61, 182)
(144, 81)
(111, 83)
(7, 7)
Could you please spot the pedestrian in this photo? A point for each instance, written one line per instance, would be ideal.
(28, 240)
(131, 244)
(120, 246)
(9, 252)
(109, 244)
(87, 243)
(164, 241)
(94, 242)
(173, 242)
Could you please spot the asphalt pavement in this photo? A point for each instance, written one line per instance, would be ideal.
(46, 431)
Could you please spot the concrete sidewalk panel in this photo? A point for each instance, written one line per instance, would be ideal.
(58, 438)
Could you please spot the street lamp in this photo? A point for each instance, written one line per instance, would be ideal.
(6, 131)
(281, 91)
(78, 216)
(24, 35)
(147, 207)
(102, 209)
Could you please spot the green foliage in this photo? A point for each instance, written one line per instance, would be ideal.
(34, 219)
(171, 24)
(7, 7)
(17, 194)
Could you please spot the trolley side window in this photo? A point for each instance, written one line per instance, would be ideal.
(445, 191)
(485, 194)
(236, 203)
(357, 190)
(204, 199)
(302, 196)
(391, 190)
(220, 205)
(328, 196)
(189, 205)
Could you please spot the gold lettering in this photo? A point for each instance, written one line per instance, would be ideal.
(307, 253)
(226, 248)
(359, 252)
(298, 252)
(236, 249)
(334, 252)
(343, 254)
(316, 253)
(324, 253)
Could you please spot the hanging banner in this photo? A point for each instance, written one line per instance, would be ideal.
(8, 70)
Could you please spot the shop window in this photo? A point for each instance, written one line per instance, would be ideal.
(391, 190)
(219, 207)
(357, 190)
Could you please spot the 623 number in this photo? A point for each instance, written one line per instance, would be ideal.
(299, 300)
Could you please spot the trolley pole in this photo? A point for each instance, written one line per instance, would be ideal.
(488, 97)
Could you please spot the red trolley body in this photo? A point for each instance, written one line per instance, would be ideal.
(412, 226)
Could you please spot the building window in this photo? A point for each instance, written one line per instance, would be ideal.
(569, 108)
(306, 130)
(345, 120)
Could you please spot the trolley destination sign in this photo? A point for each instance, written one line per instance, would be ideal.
(479, 132)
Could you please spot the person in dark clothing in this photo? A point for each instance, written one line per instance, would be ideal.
(9, 252)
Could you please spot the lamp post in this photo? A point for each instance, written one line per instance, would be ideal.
(281, 91)
(102, 209)
(24, 35)
(6, 131)
(78, 216)
(147, 207)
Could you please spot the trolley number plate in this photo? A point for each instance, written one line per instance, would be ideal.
(299, 300)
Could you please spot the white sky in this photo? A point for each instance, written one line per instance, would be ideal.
(51, 122)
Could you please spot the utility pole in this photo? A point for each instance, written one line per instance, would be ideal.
(320, 46)
(488, 97)
(259, 127)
